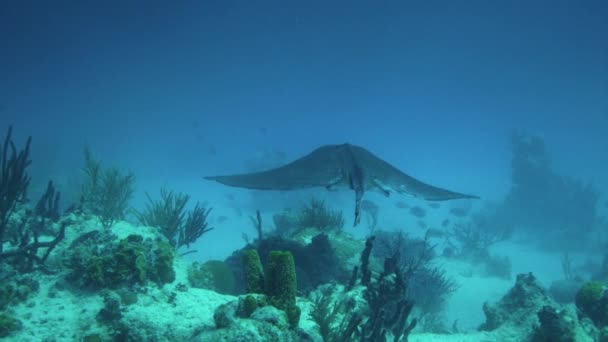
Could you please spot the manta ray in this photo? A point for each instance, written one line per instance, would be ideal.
(332, 166)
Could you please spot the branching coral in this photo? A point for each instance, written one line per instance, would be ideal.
(48, 205)
(25, 236)
(14, 179)
(427, 283)
(473, 241)
(388, 307)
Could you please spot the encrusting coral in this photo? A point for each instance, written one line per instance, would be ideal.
(132, 260)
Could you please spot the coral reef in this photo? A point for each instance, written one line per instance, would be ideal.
(265, 323)
(542, 200)
(555, 326)
(128, 282)
(527, 313)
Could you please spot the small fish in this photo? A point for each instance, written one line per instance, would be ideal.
(221, 219)
(418, 212)
(230, 197)
(211, 150)
(445, 223)
(434, 205)
(433, 232)
(370, 208)
(369, 205)
(422, 224)
(459, 212)
(401, 205)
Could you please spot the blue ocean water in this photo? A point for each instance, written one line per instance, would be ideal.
(174, 92)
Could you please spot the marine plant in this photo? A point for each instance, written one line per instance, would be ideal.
(332, 321)
(169, 214)
(106, 192)
(317, 215)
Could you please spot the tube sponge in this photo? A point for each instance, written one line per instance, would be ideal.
(253, 272)
(281, 284)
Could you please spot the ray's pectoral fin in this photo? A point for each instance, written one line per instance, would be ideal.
(416, 188)
(319, 168)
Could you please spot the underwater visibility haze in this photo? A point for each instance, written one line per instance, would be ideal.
(304, 171)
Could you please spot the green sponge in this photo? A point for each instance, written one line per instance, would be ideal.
(253, 272)
(592, 301)
(281, 284)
